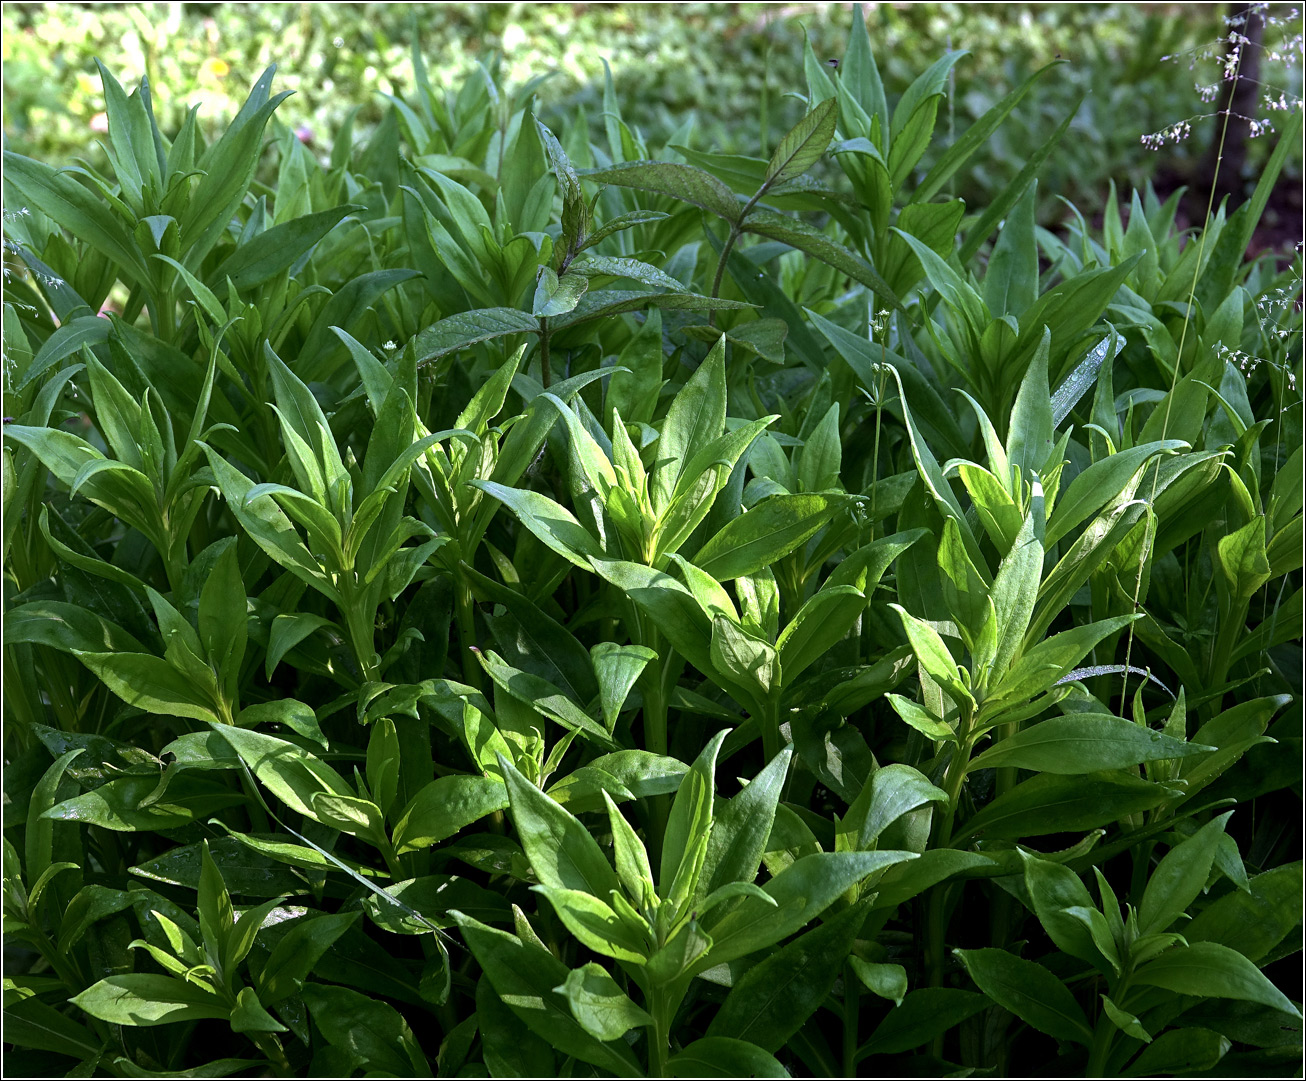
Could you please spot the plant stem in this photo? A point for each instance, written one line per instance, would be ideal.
(271, 1049)
(359, 620)
(851, 994)
(656, 698)
(721, 269)
(769, 716)
(1103, 1037)
(937, 918)
(465, 613)
(545, 373)
(660, 1041)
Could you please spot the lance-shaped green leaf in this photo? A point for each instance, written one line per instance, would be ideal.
(602, 1008)
(706, 473)
(294, 956)
(116, 486)
(933, 655)
(66, 627)
(765, 534)
(152, 684)
(525, 973)
(1050, 803)
(1099, 484)
(773, 999)
(972, 138)
(891, 792)
(1030, 991)
(561, 850)
(222, 619)
(923, 1015)
(1255, 920)
(617, 932)
(366, 1028)
(1084, 743)
(1029, 433)
(696, 416)
(723, 1056)
(443, 807)
(801, 892)
(289, 772)
(274, 250)
(818, 244)
(557, 296)
(886, 980)
(1000, 207)
(77, 208)
(671, 606)
(553, 524)
(264, 520)
(603, 303)
(616, 669)
(593, 266)
(1211, 970)
(741, 827)
(539, 693)
(465, 329)
(620, 223)
(745, 659)
(922, 719)
(684, 182)
(689, 827)
(802, 146)
(1041, 666)
(145, 999)
(822, 621)
(29, 1022)
(1180, 877)
(1243, 560)
(121, 804)
(227, 168)
(1054, 890)
(1181, 1052)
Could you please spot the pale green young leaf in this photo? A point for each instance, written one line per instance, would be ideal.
(525, 973)
(697, 416)
(561, 850)
(597, 925)
(557, 296)
(146, 999)
(689, 825)
(617, 668)
(553, 524)
(599, 1005)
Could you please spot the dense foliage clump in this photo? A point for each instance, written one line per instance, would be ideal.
(508, 598)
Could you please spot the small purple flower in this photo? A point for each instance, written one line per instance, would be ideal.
(304, 133)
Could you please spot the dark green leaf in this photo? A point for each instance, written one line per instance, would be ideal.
(1029, 991)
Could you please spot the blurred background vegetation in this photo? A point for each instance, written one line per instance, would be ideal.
(1139, 68)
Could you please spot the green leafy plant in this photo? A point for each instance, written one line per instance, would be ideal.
(434, 645)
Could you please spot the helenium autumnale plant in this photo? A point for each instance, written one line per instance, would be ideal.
(518, 599)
